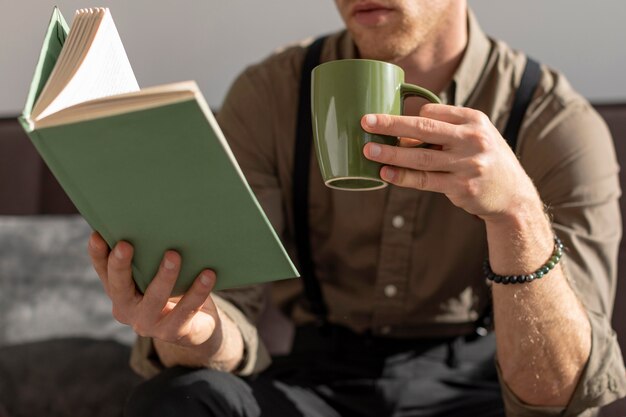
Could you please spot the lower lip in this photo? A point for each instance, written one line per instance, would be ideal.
(371, 17)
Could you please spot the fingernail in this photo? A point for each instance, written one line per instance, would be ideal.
(370, 120)
(205, 279)
(118, 253)
(375, 149)
(389, 173)
(169, 265)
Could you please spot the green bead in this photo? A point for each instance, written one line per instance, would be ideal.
(550, 265)
(539, 274)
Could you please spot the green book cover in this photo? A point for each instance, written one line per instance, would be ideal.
(153, 168)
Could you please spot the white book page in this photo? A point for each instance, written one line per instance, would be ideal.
(104, 71)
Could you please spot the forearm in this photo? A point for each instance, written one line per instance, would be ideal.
(542, 331)
(223, 351)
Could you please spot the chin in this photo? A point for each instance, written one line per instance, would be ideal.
(379, 55)
(387, 46)
(389, 53)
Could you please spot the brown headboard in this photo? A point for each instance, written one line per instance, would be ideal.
(26, 184)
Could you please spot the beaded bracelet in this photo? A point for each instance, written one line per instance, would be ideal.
(538, 274)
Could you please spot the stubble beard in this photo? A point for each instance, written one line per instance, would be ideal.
(387, 45)
(395, 40)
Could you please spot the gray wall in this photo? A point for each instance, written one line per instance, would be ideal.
(210, 41)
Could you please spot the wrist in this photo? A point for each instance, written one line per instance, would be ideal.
(173, 354)
(530, 276)
(524, 207)
(521, 239)
(226, 349)
(223, 350)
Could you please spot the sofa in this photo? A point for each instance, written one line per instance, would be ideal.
(61, 353)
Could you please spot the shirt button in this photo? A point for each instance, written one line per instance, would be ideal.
(397, 222)
(385, 330)
(390, 290)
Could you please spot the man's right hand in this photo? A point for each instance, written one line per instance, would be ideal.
(188, 329)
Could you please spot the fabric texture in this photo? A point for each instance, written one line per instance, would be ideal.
(49, 287)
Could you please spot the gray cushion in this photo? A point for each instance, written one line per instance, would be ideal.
(61, 352)
(48, 287)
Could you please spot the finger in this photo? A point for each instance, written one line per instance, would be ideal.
(120, 278)
(414, 143)
(409, 143)
(99, 254)
(449, 114)
(414, 158)
(415, 127)
(160, 289)
(420, 180)
(193, 300)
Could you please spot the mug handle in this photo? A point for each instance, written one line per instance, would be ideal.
(411, 90)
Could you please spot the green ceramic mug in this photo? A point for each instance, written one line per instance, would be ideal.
(341, 93)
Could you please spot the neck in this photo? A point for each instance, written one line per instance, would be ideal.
(433, 64)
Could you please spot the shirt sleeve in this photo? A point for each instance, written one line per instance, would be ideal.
(247, 119)
(568, 151)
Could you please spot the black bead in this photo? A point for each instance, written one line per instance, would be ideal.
(497, 279)
(506, 280)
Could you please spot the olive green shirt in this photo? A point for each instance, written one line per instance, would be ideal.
(403, 263)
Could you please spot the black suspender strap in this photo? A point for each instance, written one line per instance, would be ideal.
(302, 163)
(523, 95)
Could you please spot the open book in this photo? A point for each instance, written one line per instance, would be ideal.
(150, 166)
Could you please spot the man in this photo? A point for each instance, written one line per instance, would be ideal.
(401, 268)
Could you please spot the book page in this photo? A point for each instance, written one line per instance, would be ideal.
(95, 65)
(146, 98)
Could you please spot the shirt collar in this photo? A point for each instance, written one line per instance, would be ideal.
(472, 64)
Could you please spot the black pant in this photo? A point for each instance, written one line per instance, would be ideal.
(337, 373)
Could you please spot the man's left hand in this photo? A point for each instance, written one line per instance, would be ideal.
(473, 165)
